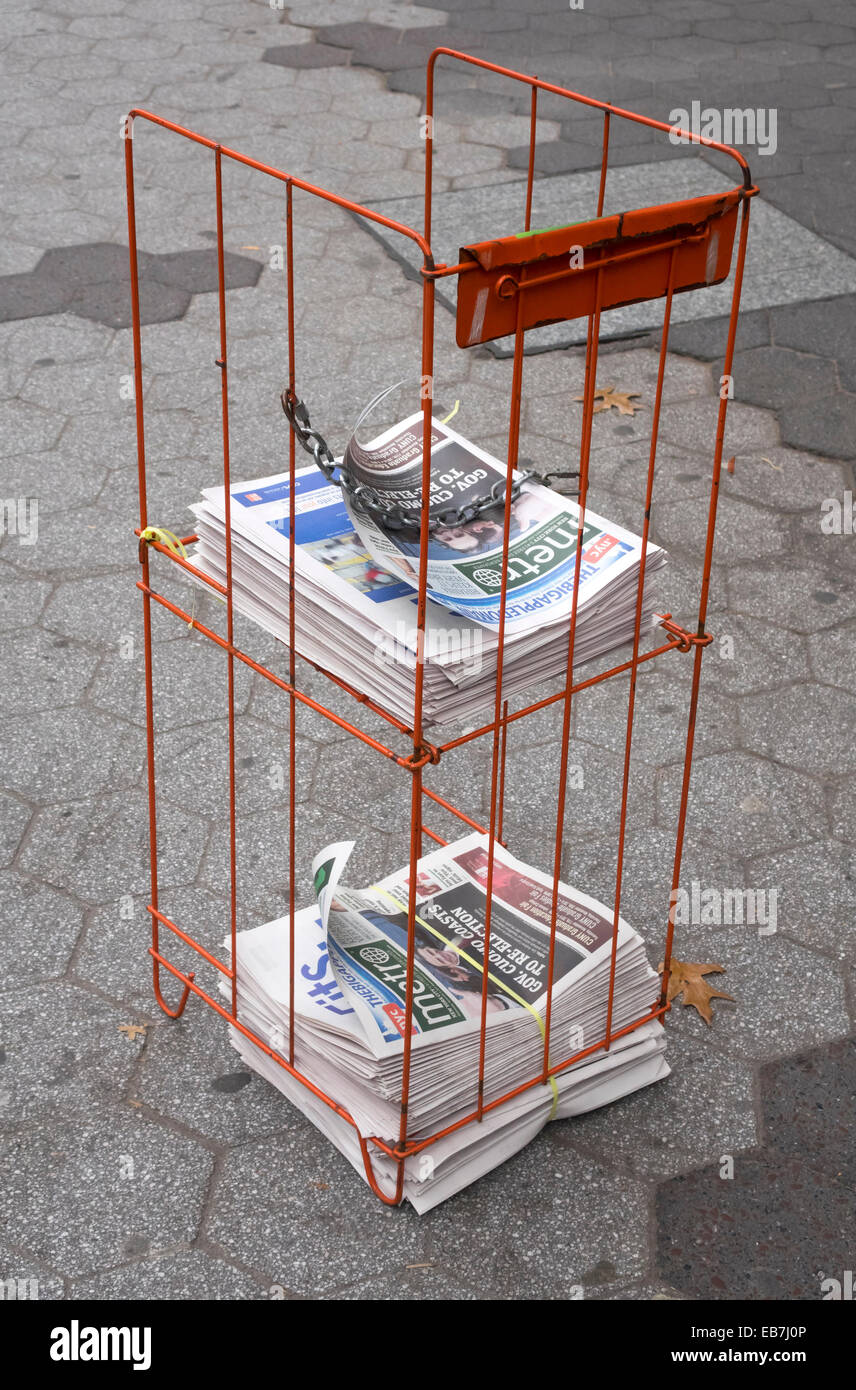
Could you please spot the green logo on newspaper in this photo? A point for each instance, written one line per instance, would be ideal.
(432, 1006)
(530, 557)
(323, 874)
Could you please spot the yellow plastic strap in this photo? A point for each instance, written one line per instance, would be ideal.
(452, 413)
(171, 541)
(165, 537)
(476, 964)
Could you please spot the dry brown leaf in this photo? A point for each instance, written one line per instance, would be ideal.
(133, 1030)
(686, 978)
(607, 396)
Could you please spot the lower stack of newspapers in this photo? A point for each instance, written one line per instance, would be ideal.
(350, 974)
(355, 582)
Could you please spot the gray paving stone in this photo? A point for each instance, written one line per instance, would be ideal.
(193, 1075)
(16, 816)
(64, 1056)
(843, 812)
(76, 1169)
(533, 809)
(825, 426)
(750, 805)
(832, 657)
(743, 533)
(97, 847)
(786, 996)
(784, 479)
(778, 377)
(815, 1087)
(320, 1226)
(816, 887)
(46, 925)
(806, 598)
(113, 952)
(809, 727)
(193, 688)
(198, 759)
(77, 609)
(541, 1243)
(556, 157)
(92, 280)
(763, 1235)
(705, 1108)
(693, 424)
(660, 715)
(823, 328)
(706, 338)
(189, 1275)
(31, 429)
(42, 672)
(412, 1285)
(47, 760)
(20, 602)
(32, 1282)
(749, 655)
(263, 869)
(305, 55)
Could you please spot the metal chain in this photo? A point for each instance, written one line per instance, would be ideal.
(369, 500)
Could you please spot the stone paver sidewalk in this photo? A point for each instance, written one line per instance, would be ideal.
(146, 1162)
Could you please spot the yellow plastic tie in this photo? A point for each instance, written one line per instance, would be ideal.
(171, 541)
(452, 413)
(164, 537)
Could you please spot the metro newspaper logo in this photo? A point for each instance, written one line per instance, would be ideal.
(542, 551)
(76, 1343)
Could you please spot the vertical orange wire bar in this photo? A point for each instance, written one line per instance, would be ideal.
(144, 560)
(498, 724)
(500, 729)
(292, 702)
(230, 620)
(603, 163)
(703, 598)
(427, 397)
(502, 757)
(593, 338)
(637, 631)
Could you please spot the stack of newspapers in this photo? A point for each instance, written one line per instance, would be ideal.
(355, 582)
(350, 1015)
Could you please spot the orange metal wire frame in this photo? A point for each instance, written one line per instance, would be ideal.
(422, 752)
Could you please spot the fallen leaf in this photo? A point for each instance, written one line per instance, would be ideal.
(686, 978)
(607, 396)
(133, 1030)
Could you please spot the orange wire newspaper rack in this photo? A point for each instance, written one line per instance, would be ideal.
(505, 287)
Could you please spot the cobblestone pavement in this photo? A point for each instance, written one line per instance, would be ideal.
(148, 1163)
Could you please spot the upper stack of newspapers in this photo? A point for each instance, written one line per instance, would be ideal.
(355, 581)
(350, 973)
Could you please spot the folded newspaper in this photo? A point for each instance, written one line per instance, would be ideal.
(350, 972)
(356, 581)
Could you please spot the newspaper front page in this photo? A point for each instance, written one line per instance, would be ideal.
(367, 936)
(465, 569)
